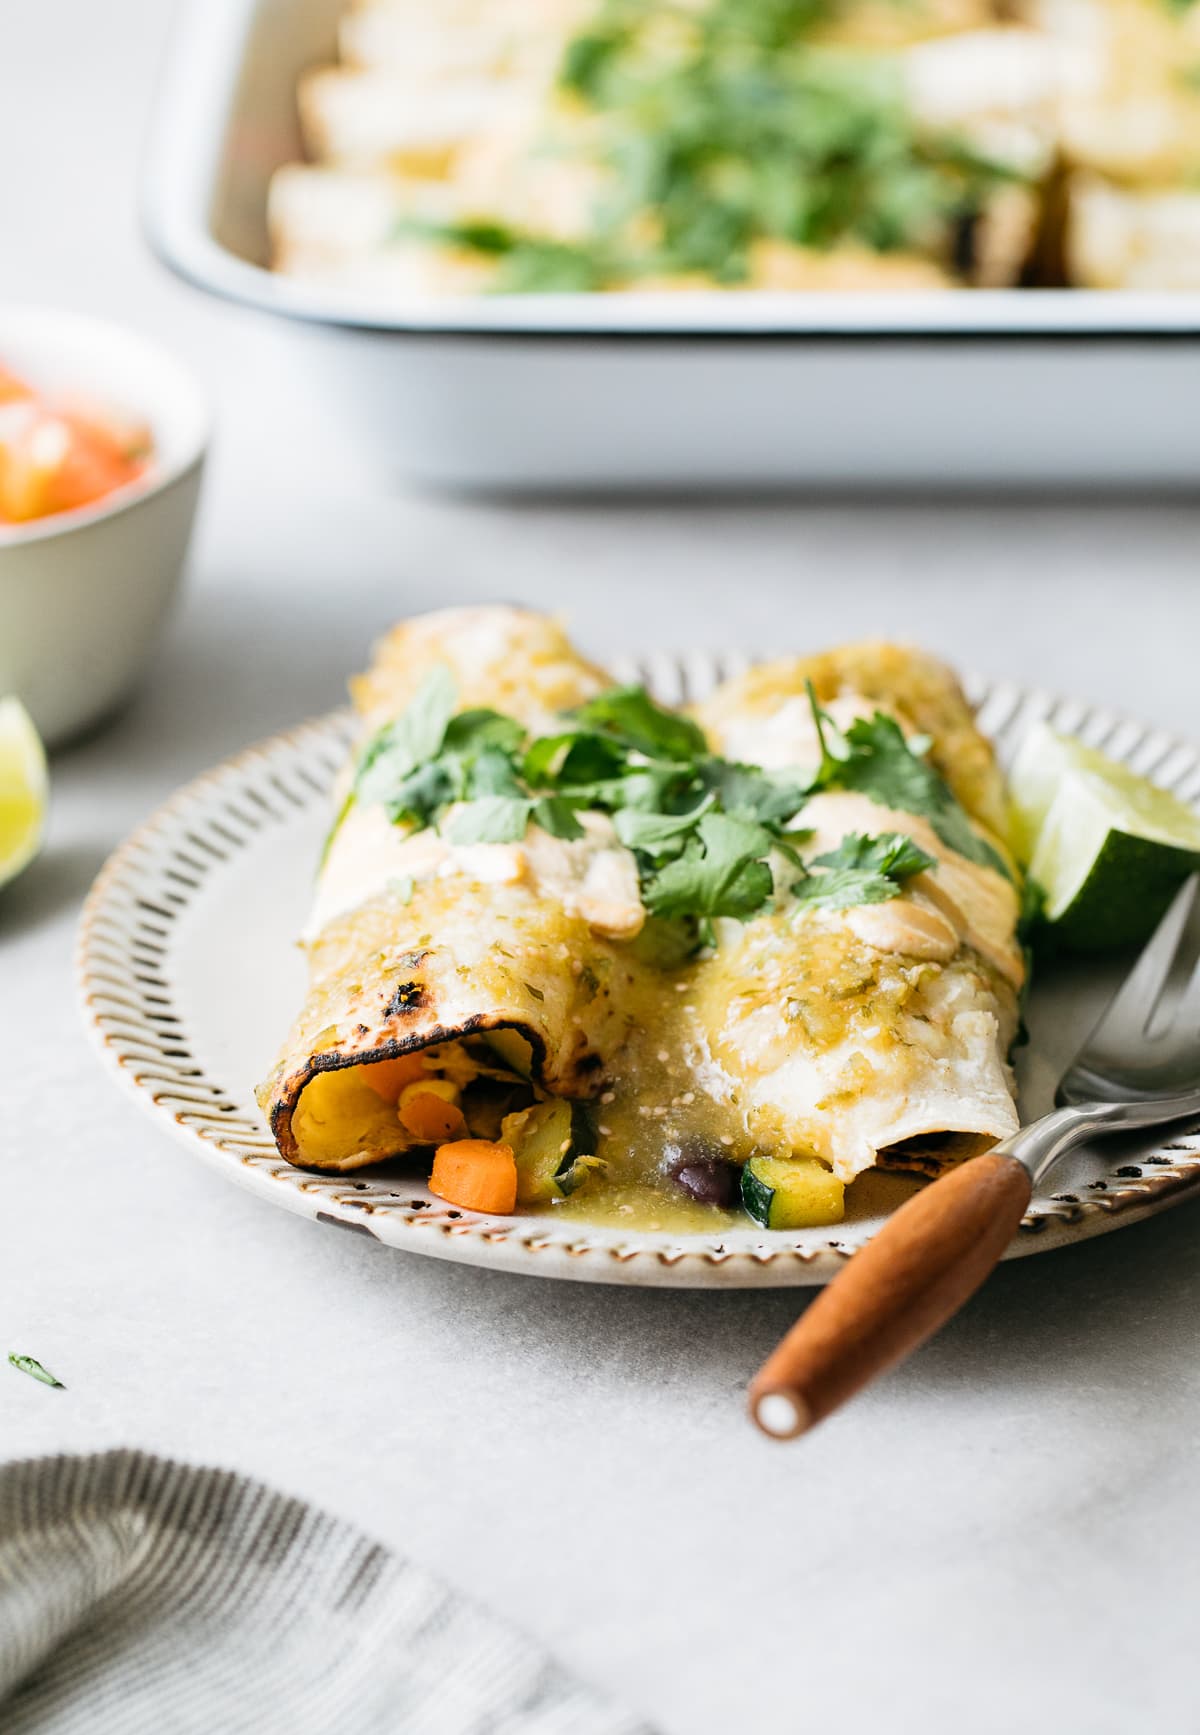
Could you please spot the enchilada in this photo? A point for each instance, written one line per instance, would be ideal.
(873, 1032)
(425, 942)
(640, 965)
(610, 145)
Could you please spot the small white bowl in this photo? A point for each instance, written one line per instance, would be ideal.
(83, 594)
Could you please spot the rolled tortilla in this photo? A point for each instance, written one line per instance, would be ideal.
(419, 944)
(877, 1034)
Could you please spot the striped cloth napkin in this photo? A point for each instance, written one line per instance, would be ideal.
(141, 1597)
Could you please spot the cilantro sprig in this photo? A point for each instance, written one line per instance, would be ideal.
(701, 827)
(725, 124)
(874, 758)
(720, 870)
(705, 831)
(432, 756)
(862, 870)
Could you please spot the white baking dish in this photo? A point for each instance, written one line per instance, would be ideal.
(1004, 387)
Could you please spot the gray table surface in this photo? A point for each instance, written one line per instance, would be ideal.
(1001, 1535)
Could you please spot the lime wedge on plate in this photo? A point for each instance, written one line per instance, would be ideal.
(1108, 848)
(23, 787)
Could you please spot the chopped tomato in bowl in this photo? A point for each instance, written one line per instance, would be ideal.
(59, 454)
(103, 436)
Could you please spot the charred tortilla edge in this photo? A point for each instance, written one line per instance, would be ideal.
(293, 1086)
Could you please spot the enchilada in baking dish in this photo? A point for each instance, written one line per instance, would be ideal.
(573, 951)
(584, 145)
(632, 144)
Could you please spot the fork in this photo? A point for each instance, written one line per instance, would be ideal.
(934, 1252)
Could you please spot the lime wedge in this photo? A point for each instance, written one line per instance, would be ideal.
(1108, 848)
(23, 788)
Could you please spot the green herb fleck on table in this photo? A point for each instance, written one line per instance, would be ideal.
(26, 1364)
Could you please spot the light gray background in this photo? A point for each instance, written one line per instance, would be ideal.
(1004, 1534)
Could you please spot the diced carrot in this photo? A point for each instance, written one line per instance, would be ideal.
(429, 1111)
(476, 1174)
(387, 1078)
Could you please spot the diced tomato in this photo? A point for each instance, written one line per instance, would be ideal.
(56, 459)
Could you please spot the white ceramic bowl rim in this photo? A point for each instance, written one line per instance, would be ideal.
(64, 350)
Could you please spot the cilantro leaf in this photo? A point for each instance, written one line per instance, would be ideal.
(491, 819)
(695, 884)
(480, 729)
(733, 127)
(630, 715)
(555, 814)
(892, 853)
(651, 789)
(538, 265)
(493, 773)
(578, 757)
(430, 757)
(657, 833)
(588, 58)
(526, 263)
(408, 741)
(747, 792)
(504, 816)
(843, 888)
(874, 758)
(703, 828)
(862, 870)
(883, 766)
(417, 800)
(739, 129)
(720, 872)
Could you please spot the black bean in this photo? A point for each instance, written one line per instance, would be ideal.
(702, 1171)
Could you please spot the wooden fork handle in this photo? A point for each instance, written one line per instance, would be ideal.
(929, 1257)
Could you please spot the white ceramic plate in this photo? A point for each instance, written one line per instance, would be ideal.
(190, 977)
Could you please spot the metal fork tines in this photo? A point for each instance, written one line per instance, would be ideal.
(1147, 1044)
